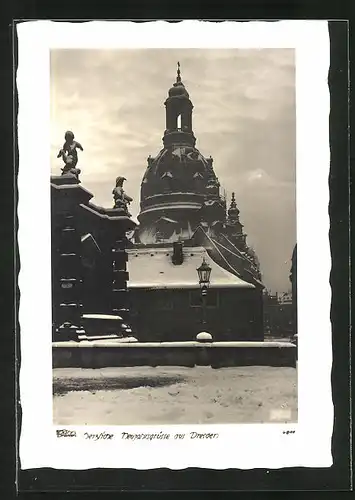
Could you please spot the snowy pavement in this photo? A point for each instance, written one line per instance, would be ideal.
(174, 395)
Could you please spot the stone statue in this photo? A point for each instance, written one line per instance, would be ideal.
(69, 154)
(209, 162)
(121, 199)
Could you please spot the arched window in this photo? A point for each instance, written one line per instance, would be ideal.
(179, 122)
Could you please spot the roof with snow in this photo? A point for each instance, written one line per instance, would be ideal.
(152, 268)
(229, 256)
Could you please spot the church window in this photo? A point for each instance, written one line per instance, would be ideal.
(166, 174)
(179, 121)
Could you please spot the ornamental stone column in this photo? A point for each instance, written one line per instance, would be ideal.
(119, 223)
(67, 275)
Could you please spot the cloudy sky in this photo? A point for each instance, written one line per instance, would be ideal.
(244, 117)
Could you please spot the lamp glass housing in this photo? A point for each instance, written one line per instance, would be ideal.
(204, 274)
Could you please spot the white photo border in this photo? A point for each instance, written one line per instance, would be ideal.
(243, 446)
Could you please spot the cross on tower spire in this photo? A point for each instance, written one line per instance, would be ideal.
(178, 76)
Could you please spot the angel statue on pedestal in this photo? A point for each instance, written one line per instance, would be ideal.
(69, 154)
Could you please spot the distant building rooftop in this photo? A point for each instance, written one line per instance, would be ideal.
(152, 268)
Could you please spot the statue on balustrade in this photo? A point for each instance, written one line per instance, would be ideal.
(150, 161)
(121, 199)
(69, 155)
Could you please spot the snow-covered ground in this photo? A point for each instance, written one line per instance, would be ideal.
(174, 395)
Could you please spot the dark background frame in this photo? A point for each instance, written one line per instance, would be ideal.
(338, 477)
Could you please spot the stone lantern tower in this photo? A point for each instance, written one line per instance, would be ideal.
(179, 188)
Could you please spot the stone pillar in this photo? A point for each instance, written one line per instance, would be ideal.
(67, 277)
(119, 279)
(120, 223)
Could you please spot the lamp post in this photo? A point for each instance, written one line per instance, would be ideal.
(204, 274)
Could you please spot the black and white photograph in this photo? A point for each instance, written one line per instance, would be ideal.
(162, 261)
(176, 228)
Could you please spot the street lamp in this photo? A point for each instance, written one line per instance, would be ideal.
(204, 273)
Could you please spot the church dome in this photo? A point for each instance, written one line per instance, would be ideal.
(180, 172)
(178, 90)
(179, 168)
(179, 178)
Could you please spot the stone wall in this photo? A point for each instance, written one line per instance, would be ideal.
(215, 354)
(167, 315)
(86, 279)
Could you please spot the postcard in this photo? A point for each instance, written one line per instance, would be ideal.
(174, 250)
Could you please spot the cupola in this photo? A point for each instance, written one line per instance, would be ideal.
(178, 115)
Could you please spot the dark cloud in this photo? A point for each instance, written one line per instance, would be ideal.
(244, 116)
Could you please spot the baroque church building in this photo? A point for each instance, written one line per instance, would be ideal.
(184, 218)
